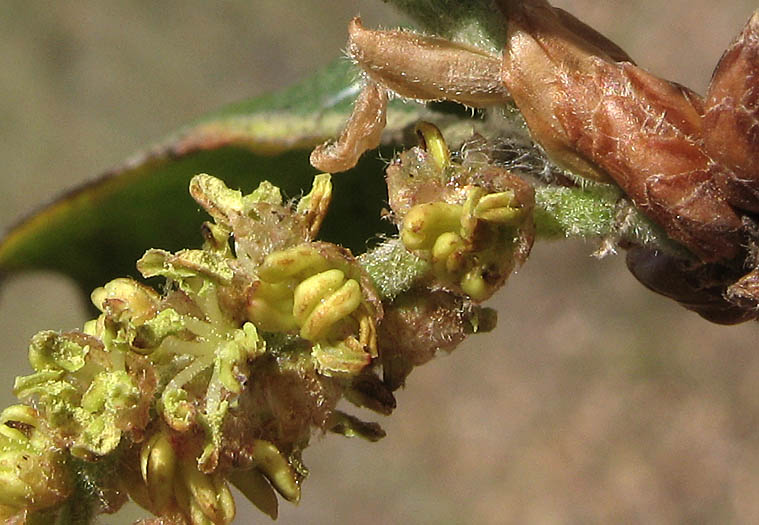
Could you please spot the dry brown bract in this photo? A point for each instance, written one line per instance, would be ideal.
(413, 66)
(690, 165)
(732, 108)
(603, 115)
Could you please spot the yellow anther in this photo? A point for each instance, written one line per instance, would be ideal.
(278, 293)
(157, 466)
(475, 286)
(225, 499)
(197, 516)
(460, 241)
(498, 207)
(15, 493)
(313, 290)
(254, 486)
(495, 200)
(182, 495)
(353, 344)
(445, 245)
(269, 318)
(209, 495)
(272, 464)
(271, 307)
(367, 335)
(21, 414)
(314, 205)
(139, 300)
(424, 223)
(145, 455)
(432, 141)
(336, 306)
(501, 215)
(281, 265)
(449, 257)
(316, 290)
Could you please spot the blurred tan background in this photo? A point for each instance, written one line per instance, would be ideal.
(595, 401)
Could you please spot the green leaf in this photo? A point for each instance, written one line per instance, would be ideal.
(475, 22)
(97, 231)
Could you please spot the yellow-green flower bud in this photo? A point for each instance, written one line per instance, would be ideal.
(105, 409)
(272, 464)
(210, 500)
(330, 310)
(469, 218)
(470, 245)
(319, 290)
(289, 263)
(158, 463)
(309, 293)
(313, 207)
(254, 486)
(433, 141)
(33, 473)
(424, 223)
(132, 300)
(86, 400)
(52, 350)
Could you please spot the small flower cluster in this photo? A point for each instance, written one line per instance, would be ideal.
(32, 467)
(223, 377)
(165, 380)
(471, 219)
